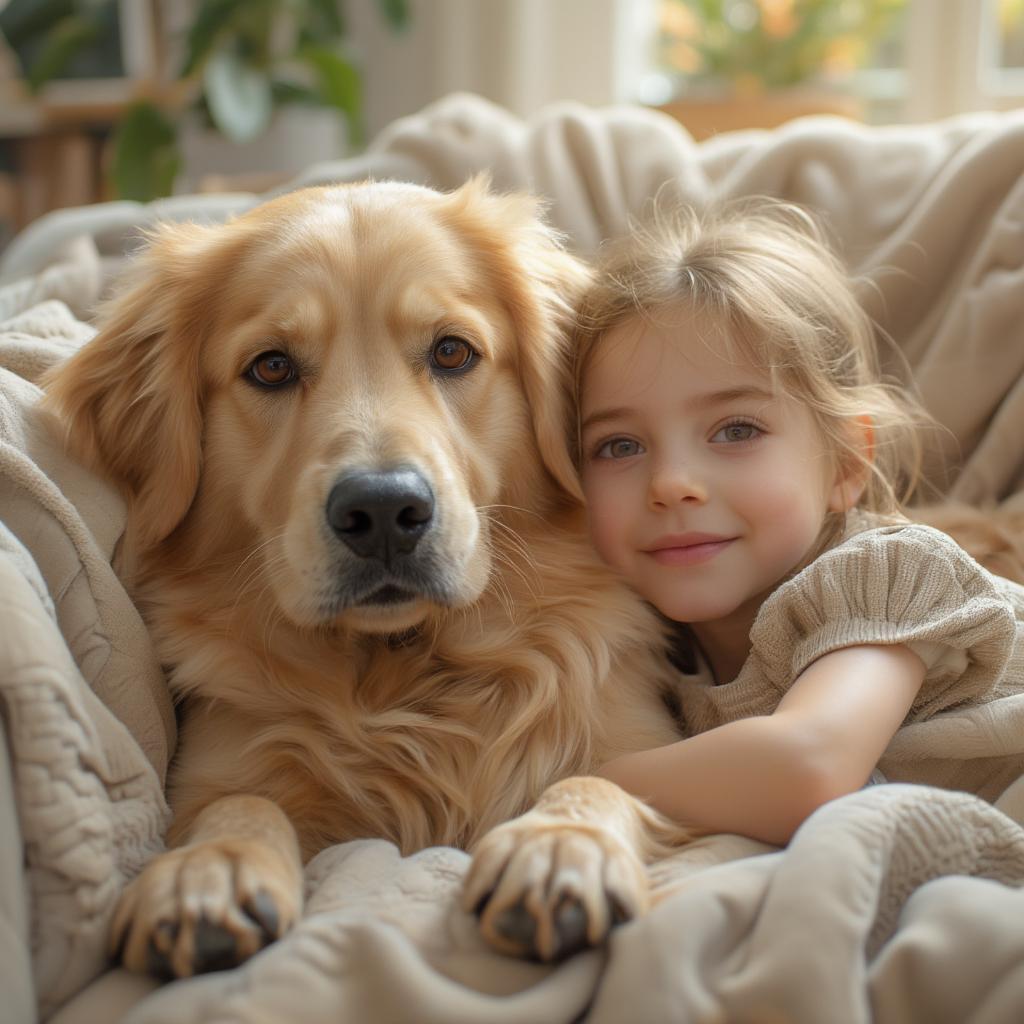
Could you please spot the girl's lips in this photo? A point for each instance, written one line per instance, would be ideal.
(689, 554)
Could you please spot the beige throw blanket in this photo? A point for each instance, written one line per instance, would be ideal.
(859, 919)
(85, 709)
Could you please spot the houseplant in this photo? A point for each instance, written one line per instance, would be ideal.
(243, 61)
(745, 63)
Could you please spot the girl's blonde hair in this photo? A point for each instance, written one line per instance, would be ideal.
(763, 269)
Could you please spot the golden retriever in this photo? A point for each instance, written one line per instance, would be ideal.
(355, 531)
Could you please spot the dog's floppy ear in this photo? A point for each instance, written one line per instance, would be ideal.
(542, 285)
(129, 399)
(547, 360)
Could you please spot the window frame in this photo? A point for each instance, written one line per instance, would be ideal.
(951, 66)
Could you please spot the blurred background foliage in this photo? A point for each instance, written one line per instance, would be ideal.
(243, 60)
(1010, 15)
(745, 47)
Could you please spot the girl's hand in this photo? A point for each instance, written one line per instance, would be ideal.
(763, 776)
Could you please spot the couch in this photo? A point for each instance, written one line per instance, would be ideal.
(894, 904)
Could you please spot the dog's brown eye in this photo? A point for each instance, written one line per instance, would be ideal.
(450, 353)
(272, 369)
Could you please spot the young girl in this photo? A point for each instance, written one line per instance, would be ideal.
(740, 458)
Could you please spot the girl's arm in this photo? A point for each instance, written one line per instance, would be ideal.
(762, 776)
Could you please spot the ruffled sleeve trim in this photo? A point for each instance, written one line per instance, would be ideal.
(907, 584)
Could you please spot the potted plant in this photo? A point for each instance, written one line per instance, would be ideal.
(757, 63)
(244, 60)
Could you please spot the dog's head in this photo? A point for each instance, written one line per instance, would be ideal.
(339, 387)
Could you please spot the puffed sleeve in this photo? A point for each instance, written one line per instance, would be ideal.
(907, 584)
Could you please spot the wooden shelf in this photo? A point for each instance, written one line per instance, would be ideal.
(96, 104)
(53, 148)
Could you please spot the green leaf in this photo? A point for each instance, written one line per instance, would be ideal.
(238, 95)
(210, 19)
(396, 12)
(285, 91)
(340, 86)
(323, 20)
(67, 39)
(146, 159)
(24, 22)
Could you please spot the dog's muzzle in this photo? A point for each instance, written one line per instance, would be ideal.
(381, 515)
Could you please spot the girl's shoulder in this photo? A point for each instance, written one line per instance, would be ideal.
(889, 582)
(895, 542)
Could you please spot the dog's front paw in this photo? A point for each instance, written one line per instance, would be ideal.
(205, 907)
(545, 889)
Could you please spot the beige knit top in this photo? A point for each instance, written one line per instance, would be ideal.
(897, 584)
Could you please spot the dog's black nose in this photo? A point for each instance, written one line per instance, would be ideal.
(379, 515)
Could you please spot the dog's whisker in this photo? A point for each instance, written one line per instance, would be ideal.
(475, 610)
(273, 616)
(259, 572)
(512, 555)
(513, 567)
(268, 571)
(513, 508)
(502, 593)
(512, 536)
(528, 573)
(524, 566)
(256, 551)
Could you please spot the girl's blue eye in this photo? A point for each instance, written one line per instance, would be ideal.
(735, 433)
(619, 448)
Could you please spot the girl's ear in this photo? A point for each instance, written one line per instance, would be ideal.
(853, 471)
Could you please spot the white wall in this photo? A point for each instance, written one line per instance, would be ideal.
(521, 54)
(518, 53)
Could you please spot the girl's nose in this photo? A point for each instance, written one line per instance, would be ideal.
(671, 485)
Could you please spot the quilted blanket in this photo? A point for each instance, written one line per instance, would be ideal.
(858, 919)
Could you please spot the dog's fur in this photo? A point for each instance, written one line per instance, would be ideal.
(312, 713)
(993, 534)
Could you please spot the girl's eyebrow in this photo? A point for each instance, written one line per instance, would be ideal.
(605, 415)
(736, 394)
(712, 398)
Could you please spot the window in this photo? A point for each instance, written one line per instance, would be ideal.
(906, 60)
(1006, 39)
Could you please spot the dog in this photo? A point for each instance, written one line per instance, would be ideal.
(340, 423)
(992, 534)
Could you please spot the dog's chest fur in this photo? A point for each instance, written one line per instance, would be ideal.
(425, 739)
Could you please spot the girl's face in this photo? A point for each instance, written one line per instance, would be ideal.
(704, 487)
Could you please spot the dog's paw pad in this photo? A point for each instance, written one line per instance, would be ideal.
(621, 914)
(518, 925)
(158, 950)
(263, 910)
(216, 948)
(570, 927)
(478, 908)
